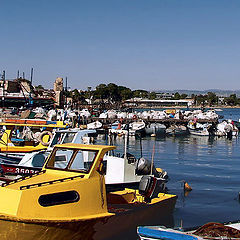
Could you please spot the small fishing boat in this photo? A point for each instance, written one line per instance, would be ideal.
(155, 129)
(199, 129)
(94, 125)
(20, 136)
(73, 191)
(177, 130)
(32, 162)
(118, 128)
(226, 128)
(136, 127)
(213, 231)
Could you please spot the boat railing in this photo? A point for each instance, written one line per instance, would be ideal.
(50, 182)
(22, 178)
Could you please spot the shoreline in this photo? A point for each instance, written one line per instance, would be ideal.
(180, 107)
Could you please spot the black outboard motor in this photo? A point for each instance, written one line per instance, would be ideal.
(150, 187)
(143, 167)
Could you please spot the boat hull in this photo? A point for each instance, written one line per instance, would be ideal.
(124, 222)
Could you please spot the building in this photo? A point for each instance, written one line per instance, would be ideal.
(138, 102)
(19, 93)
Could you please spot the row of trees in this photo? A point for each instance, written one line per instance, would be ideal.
(112, 93)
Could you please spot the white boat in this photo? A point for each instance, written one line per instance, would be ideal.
(177, 130)
(36, 159)
(127, 170)
(199, 129)
(94, 125)
(214, 231)
(226, 128)
(155, 129)
(118, 128)
(136, 127)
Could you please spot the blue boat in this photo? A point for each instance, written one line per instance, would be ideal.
(212, 231)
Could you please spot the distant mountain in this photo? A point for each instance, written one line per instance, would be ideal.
(218, 92)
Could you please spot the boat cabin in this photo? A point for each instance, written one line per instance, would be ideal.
(23, 135)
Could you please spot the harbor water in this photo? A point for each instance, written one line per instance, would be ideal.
(210, 165)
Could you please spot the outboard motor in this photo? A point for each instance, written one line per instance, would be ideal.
(143, 167)
(150, 187)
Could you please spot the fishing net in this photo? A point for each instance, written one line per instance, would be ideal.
(217, 230)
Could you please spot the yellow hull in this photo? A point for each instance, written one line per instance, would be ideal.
(122, 224)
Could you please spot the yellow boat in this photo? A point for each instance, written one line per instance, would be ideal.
(9, 144)
(73, 191)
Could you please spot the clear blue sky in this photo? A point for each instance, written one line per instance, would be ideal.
(140, 44)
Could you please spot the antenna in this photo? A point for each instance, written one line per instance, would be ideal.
(3, 97)
(153, 157)
(141, 144)
(31, 75)
(66, 87)
(30, 93)
(17, 74)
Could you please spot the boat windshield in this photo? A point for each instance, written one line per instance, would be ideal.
(71, 159)
(62, 137)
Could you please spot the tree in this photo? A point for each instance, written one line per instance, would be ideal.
(183, 96)
(140, 94)
(125, 93)
(232, 100)
(114, 92)
(101, 92)
(177, 96)
(152, 95)
(212, 98)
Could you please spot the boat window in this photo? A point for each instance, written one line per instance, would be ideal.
(82, 160)
(68, 137)
(62, 158)
(58, 198)
(69, 159)
(57, 139)
(39, 159)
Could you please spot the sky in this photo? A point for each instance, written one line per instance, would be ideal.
(140, 44)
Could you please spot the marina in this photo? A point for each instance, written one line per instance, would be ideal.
(120, 120)
(203, 161)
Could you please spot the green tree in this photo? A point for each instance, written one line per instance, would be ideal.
(101, 92)
(114, 92)
(212, 98)
(232, 100)
(140, 94)
(177, 96)
(152, 95)
(125, 92)
(183, 96)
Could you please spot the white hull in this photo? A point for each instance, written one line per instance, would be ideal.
(199, 132)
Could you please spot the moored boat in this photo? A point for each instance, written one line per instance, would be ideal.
(74, 192)
(177, 130)
(22, 135)
(136, 127)
(214, 231)
(155, 129)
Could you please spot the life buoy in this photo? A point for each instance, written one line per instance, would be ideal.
(44, 133)
(134, 117)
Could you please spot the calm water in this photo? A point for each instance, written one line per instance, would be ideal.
(211, 166)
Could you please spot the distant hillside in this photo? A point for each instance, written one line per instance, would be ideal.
(218, 92)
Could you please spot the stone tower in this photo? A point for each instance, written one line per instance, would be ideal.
(58, 89)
